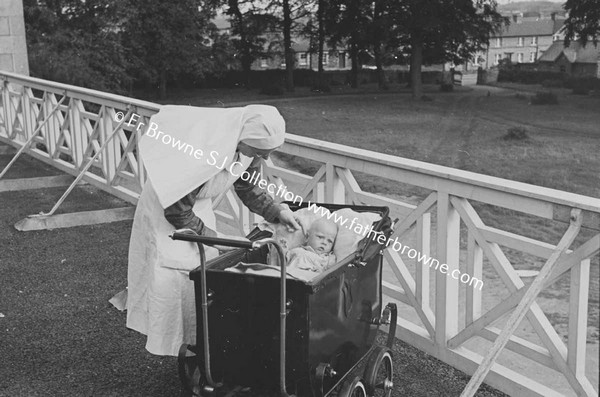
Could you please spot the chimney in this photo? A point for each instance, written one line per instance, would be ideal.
(553, 16)
(518, 17)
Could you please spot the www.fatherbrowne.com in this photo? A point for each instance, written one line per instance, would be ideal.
(281, 191)
(396, 246)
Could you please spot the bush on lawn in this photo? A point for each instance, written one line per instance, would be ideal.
(516, 134)
(514, 75)
(271, 89)
(580, 91)
(446, 87)
(553, 83)
(544, 98)
(324, 87)
(520, 96)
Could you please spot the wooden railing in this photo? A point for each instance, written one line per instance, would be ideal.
(84, 124)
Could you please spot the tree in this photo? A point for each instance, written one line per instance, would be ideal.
(346, 23)
(77, 42)
(450, 30)
(583, 21)
(250, 27)
(293, 15)
(168, 39)
(379, 35)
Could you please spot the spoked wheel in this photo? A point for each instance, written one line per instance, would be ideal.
(379, 374)
(190, 373)
(354, 388)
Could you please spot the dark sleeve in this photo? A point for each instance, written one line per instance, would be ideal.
(255, 198)
(181, 215)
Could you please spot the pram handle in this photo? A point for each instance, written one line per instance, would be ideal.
(211, 240)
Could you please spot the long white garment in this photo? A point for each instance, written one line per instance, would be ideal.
(160, 302)
(184, 146)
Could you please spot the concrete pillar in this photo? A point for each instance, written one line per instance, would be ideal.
(13, 47)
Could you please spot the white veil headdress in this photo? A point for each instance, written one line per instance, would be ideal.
(189, 144)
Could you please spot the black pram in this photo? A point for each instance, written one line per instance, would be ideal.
(260, 336)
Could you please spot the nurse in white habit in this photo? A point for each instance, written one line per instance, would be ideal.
(182, 183)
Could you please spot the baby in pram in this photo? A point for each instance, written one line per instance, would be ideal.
(316, 255)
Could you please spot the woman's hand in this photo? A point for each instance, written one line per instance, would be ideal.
(293, 223)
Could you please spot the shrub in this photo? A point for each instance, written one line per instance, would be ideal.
(520, 96)
(544, 98)
(324, 87)
(528, 76)
(590, 83)
(580, 90)
(271, 89)
(516, 134)
(553, 83)
(446, 87)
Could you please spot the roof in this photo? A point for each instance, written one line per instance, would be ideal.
(542, 27)
(575, 52)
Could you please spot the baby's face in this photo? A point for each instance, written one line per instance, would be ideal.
(321, 237)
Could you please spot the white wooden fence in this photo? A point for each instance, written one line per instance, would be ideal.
(71, 132)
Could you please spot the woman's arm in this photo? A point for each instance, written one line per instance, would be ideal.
(256, 199)
(182, 216)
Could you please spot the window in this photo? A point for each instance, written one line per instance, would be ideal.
(534, 40)
(325, 59)
(283, 62)
(497, 58)
(520, 41)
(498, 42)
(556, 37)
(532, 57)
(302, 59)
(520, 57)
(264, 62)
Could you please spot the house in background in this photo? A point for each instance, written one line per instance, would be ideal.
(524, 40)
(333, 59)
(575, 60)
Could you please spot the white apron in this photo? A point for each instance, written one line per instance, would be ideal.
(160, 301)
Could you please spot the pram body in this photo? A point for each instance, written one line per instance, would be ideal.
(331, 321)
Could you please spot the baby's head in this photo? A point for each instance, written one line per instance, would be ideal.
(321, 235)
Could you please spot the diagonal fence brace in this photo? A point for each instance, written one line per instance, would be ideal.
(86, 167)
(32, 137)
(515, 318)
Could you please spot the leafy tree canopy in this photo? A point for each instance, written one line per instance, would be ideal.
(583, 21)
(76, 42)
(168, 38)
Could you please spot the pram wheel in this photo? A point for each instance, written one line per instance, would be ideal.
(190, 373)
(354, 388)
(379, 373)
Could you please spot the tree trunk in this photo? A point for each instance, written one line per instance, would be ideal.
(377, 43)
(379, 64)
(416, 61)
(287, 43)
(321, 39)
(246, 57)
(354, 62)
(162, 84)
